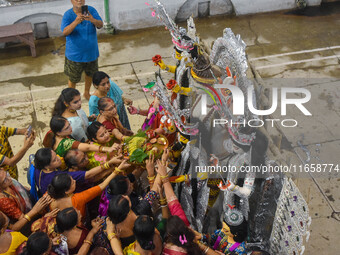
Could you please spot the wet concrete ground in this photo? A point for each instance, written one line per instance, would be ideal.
(303, 48)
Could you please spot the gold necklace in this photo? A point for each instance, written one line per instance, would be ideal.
(9, 194)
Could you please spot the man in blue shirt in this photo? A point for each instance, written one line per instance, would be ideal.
(81, 44)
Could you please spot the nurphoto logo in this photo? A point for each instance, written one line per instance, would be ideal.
(238, 105)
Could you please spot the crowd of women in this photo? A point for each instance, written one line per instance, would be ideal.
(87, 197)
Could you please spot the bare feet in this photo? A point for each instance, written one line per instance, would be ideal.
(86, 96)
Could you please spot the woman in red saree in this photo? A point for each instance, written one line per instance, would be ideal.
(15, 202)
(109, 118)
(181, 240)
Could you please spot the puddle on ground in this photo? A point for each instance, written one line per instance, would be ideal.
(47, 81)
(131, 81)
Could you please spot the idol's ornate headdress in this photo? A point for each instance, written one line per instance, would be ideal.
(179, 35)
(228, 52)
(176, 115)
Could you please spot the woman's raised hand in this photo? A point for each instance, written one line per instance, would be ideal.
(42, 203)
(53, 213)
(117, 159)
(150, 164)
(56, 241)
(114, 147)
(133, 110)
(128, 101)
(111, 228)
(165, 156)
(128, 132)
(29, 140)
(124, 165)
(96, 224)
(198, 236)
(161, 168)
(160, 189)
(93, 117)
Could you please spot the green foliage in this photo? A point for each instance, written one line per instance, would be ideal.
(138, 155)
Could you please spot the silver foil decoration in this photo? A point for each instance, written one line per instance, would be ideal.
(229, 51)
(165, 18)
(196, 218)
(173, 113)
(291, 222)
(269, 208)
(263, 204)
(196, 222)
(179, 34)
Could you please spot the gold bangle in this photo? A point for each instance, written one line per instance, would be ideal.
(106, 165)
(119, 170)
(111, 236)
(162, 200)
(88, 242)
(151, 178)
(165, 179)
(164, 176)
(28, 218)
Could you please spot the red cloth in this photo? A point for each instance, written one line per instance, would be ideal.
(75, 144)
(176, 209)
(80, 242)
(45, 224)
(169, 251)
(10, 207)
(171, 138)
(12, 204)
(109, 125)
(156, 124)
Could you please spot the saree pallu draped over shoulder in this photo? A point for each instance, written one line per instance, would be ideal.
(65, 145)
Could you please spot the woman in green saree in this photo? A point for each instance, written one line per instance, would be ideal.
(98, 135)
(61, 143)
